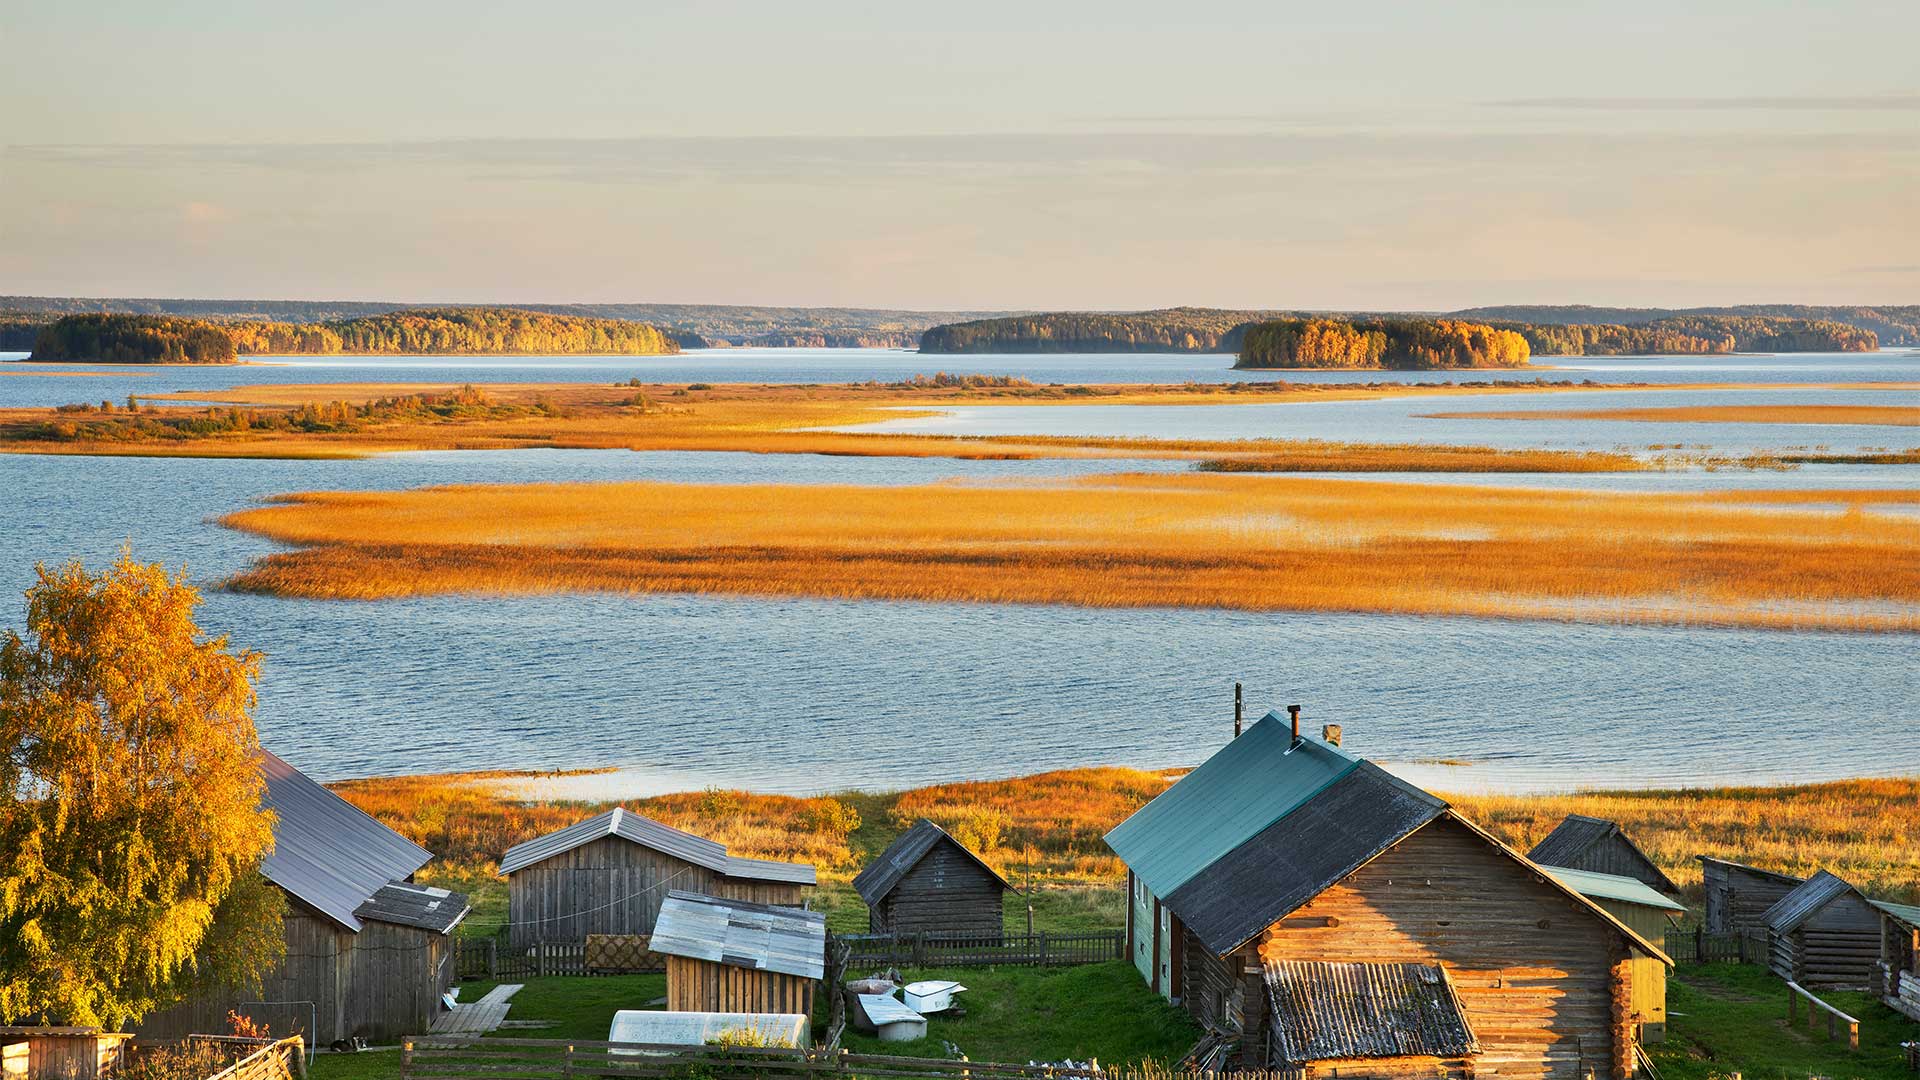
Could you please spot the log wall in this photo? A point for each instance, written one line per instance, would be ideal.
(615, 886)
(1838, 947)
(945, 892)
(1737, 898)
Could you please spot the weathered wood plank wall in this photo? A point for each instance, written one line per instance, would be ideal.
(946, 891)
(615, 886)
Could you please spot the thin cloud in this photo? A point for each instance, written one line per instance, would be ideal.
(1881, 103)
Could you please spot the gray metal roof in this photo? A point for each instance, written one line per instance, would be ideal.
(1906, 913)
(651, 834)
(878, 878)
(759, 937)
(328, 853)
(406, 904)
(1790, 911)
(1597, 886)
(1246, 786)
(1324, 1011)
(1577, 834)
(1338, 830)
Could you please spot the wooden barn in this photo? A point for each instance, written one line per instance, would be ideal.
(928, 882)
(610, 873)
(1898, 979)
(1647, 913)
(1824, 934)
(1739, 895)
(369, 952)
(1589, 843)
(1343, 922)
(733, 956)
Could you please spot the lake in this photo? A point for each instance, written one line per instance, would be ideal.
(808, 695)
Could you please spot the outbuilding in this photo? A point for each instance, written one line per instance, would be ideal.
(1645, 912)
(928, 882)
(1824, 934)
(610, 873)
(1580, 842)
(1739, 895)
(369, 951)
(1342, 921)
(734, 956)
(1898, 979)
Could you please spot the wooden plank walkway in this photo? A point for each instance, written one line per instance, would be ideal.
(477, 1017)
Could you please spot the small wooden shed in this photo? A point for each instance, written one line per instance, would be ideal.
(610, 873)
(734, 956)
(928, 882)
(1898, 980)
(1824, 934)
(1645, 912)
(1739, 895)
(1590, 843)
(60, 1053)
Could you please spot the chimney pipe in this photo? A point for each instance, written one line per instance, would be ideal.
(1294, 711)
(1330, 734)
(1238, 707)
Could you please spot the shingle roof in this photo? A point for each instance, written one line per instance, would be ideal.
(406, 904)
(651, 834)
(759, 937)
(878, 878)
(1261, 881)
(1246, 786)
(1577, 834)
(1790, 911)
(327, 852)
(1597, 886)
(1324, 1011)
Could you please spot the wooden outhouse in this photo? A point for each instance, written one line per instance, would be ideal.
(1898, 979)
(928, 882)
(610, 873)
(1824, 934)
(1344, 922)
(734, 956)
(1589, 843)
(369, 952)
(1646, 912)
(1739, 895)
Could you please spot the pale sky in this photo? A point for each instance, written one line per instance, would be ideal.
(980, 155)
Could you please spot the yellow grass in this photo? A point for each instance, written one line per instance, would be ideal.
(1245, 542)
(1878, 415)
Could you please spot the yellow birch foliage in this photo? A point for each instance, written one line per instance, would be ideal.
(130, 802)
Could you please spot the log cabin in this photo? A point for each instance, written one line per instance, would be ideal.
(1580, 842)
(610, 873)
(369, 951)
(1441, 951)
(928, 882)
(1898, 979)
(1824, 934)
(1739, 895)
(1647, 913)
(734, 956)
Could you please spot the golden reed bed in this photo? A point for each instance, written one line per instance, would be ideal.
(1833, 560)
(1874, 415)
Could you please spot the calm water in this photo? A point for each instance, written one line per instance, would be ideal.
(805, 695)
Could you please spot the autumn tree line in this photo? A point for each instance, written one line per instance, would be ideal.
(157, 339)
(1401, 344)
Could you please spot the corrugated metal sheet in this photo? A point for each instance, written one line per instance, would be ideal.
(1577, 834)
(655, 836)
(878, 878)
(1252, 782)
(327, 852)
(406, 904)
(1258, 883)
(1787, 913)
(1598, 886)
(1906, 913)
(701, 1028)
(1325, 1011)
(739, 934)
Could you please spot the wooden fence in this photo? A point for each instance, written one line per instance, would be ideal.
(983, 950)
(1696, 946)
(285, 1059)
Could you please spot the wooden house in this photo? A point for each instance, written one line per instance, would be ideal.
(1739, 895)
(369, 952)
(61, 1053)
(1824, 934)
(610, 873)
(1589, 843)
(1898, 978)
(1338, 920)
(734, 956)
(928, 882)
(1646, 912)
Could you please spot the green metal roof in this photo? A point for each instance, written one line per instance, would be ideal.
(1906, 913)
(1249, 784)
(1597, 886)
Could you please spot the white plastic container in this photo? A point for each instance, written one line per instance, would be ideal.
(931, 996)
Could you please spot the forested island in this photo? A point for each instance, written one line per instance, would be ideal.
(1399, 344)
(166, 339)
(1696, 334)
(1183, 329)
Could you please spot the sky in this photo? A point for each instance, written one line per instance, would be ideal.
(988, 155)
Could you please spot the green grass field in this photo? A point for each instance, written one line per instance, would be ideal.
(1732, 1018)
